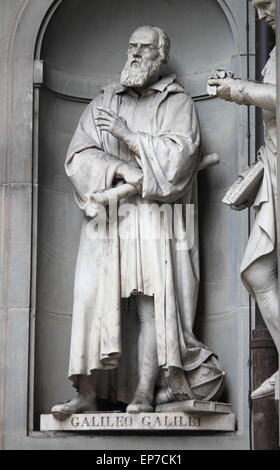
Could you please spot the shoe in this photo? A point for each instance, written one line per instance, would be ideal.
(266, 389)
(78, 404)
(162, 397)
(141, 403)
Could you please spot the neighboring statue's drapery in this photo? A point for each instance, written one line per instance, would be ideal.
(113, 268)
(263, 234)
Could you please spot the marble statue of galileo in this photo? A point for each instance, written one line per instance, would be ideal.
(259, 269)
(144, 132)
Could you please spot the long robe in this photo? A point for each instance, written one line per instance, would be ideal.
(262, 239)
(115, 267)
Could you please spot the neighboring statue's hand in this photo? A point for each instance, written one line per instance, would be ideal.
(110, 122)
(219, 73)
(214, 82)
(130, 174)
(223, 87)
(228, 88)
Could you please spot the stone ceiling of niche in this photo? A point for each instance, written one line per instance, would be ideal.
(88, 39)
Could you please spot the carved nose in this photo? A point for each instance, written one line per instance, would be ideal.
(137, 52)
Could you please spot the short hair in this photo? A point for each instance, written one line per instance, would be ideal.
(163, 41)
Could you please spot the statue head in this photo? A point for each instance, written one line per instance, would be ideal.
(266, 11)
(148, 50)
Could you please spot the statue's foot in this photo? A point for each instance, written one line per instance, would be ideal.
(141, 403)
(78, 404)
(266, 389)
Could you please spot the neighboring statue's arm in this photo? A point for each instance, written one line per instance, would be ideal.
(238, 91)
(262, 95)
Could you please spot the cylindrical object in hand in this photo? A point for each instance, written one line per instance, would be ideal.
(209, 160)
(109, 195)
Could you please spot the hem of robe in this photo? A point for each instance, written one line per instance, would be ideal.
(203, 356)
(135, 292)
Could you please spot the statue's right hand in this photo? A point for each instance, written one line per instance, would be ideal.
(222, 81)
(130, 174)
(224, 87)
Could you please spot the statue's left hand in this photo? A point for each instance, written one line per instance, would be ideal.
(110, 122)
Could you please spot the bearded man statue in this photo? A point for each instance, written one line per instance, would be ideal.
(144, 132)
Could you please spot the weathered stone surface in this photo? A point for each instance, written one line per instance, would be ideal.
(141, 422)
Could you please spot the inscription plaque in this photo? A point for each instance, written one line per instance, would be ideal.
(141, 422)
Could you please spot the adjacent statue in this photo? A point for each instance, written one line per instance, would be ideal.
(139, 139)
(259, 268)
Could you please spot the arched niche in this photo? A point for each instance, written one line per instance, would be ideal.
(83, 47)
(29, 23)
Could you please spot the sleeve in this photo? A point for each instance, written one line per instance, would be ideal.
(169, 160)
(87, 165)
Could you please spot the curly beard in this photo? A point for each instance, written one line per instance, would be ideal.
(138, 72)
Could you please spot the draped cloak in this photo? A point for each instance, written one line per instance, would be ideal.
(262, 239)
(111, 268)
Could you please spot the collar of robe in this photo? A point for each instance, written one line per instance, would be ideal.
(160, 86)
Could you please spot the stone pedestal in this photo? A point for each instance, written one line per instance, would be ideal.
(190, 415)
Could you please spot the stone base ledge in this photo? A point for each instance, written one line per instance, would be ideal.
(188, 416)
